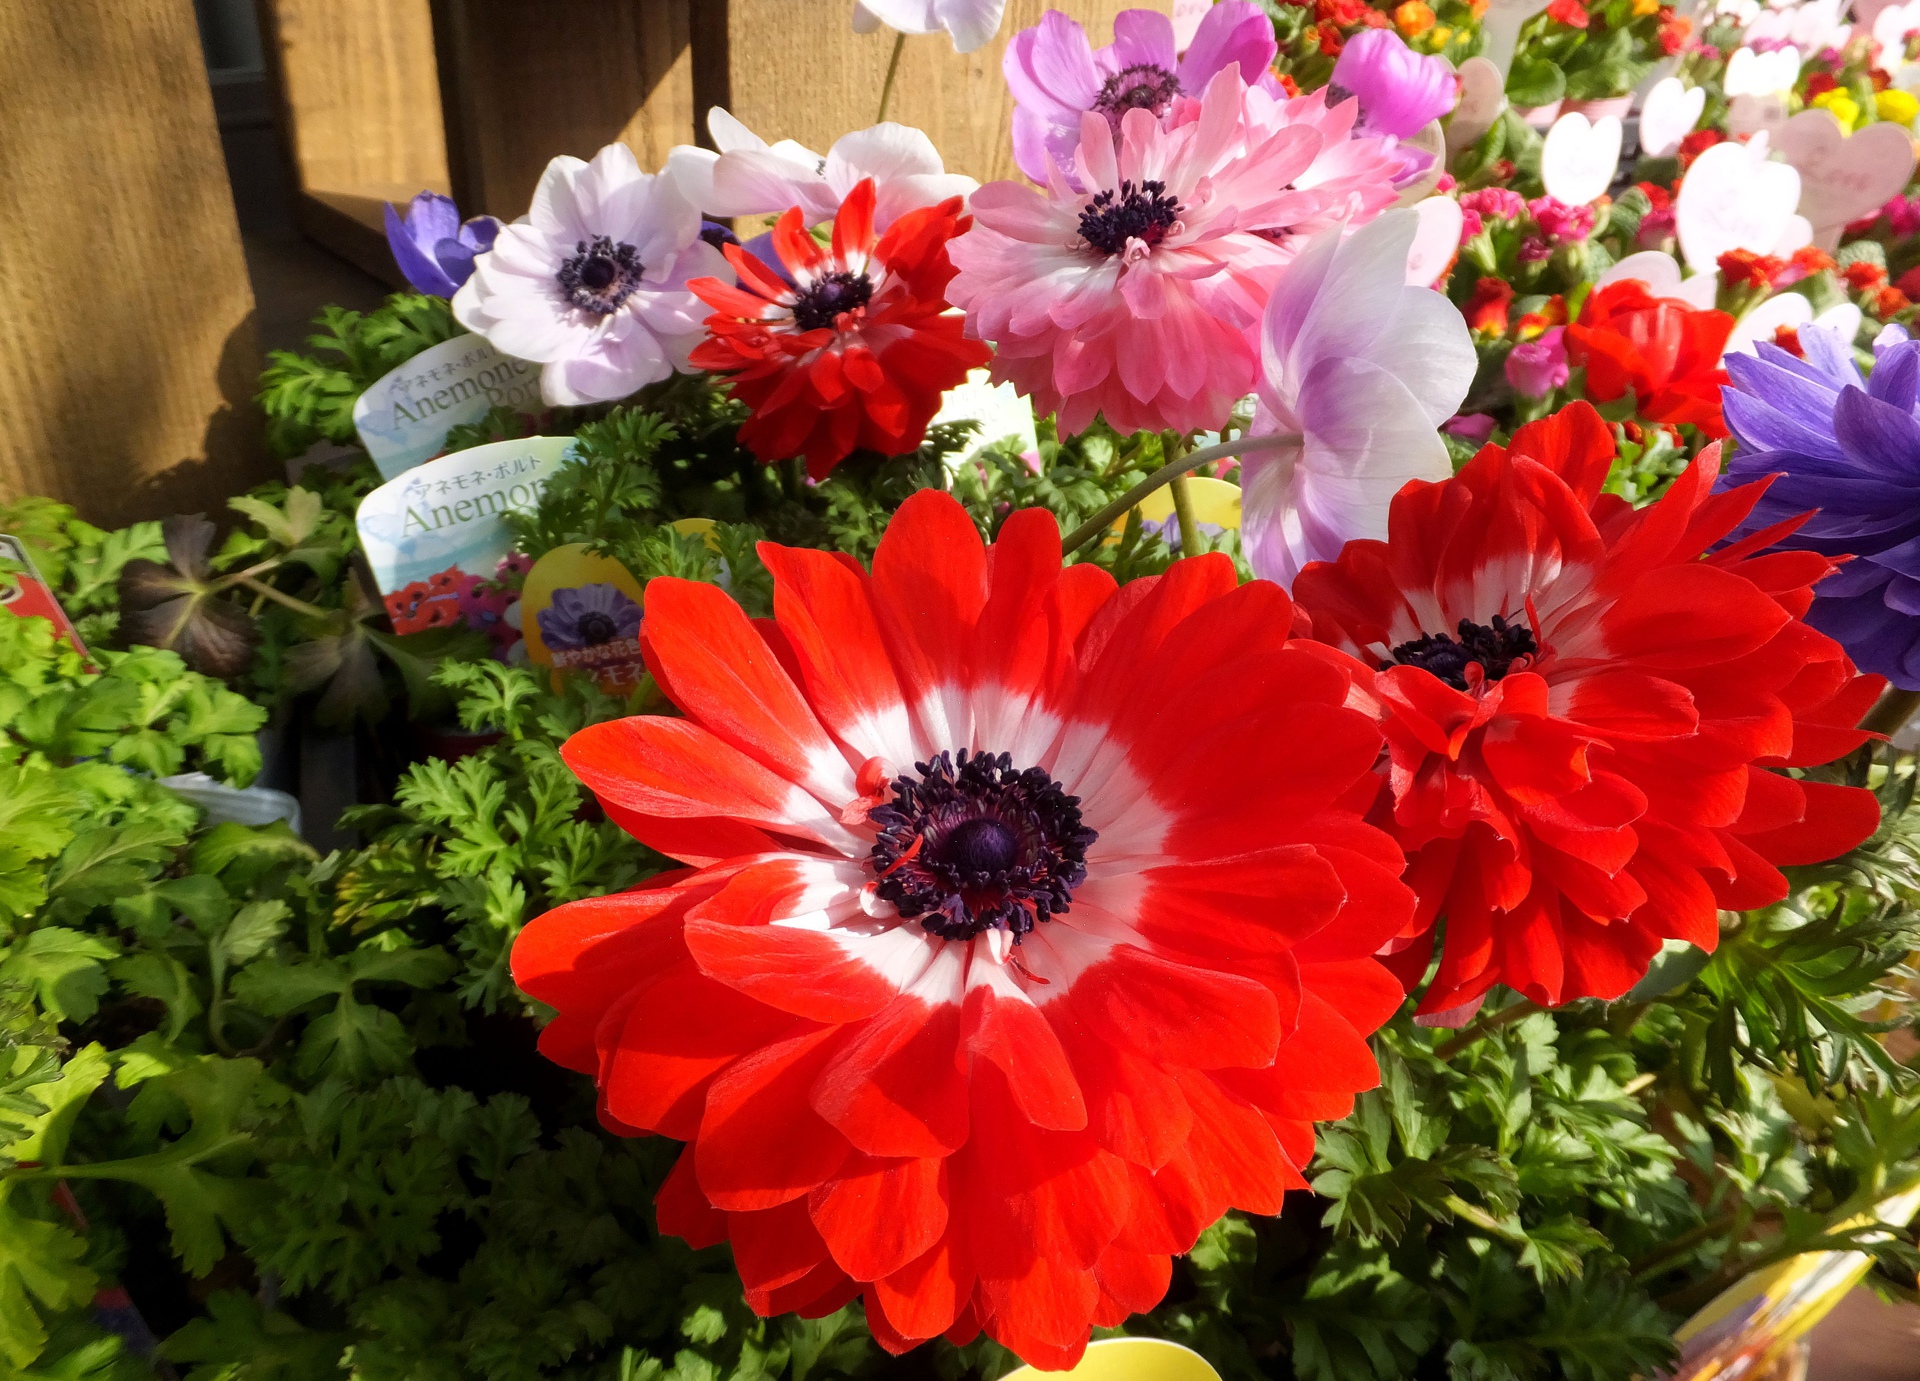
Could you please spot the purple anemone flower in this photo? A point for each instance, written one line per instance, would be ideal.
(1400, 91)
(1056, 74)
(1850, 449)
(588, 616)
(434, 250)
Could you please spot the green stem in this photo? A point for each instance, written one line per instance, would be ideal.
(1183, 510)
(1683, 1244)
(1892, 710)
(1483, 1220)
(1188, 463)
(299, 606)
(893, 70)
(1485, 1026)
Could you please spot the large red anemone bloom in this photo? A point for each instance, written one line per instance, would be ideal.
(857, 350)
(1585, 715)
(1665, 350)
(1028, 927)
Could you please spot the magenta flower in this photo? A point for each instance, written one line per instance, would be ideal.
(1561, 223)
(1470, 224)
(1537, 367)
(1495, 201)
(1400, 91)
(1903, 214)
(1056, 74)
(434, 250)
(1534, 249)
(1140, 295)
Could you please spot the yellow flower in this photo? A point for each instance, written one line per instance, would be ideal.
(1898, 106)
(1438, 38)
(1642, 8)
(1844, 108)
(1413, 18)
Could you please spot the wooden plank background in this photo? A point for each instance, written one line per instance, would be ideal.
(796, 70)
(126, 317)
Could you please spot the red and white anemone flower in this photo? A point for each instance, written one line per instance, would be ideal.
(1586, 717)
(1027, 926)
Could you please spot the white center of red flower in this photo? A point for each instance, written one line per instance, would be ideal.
(972, 845)
(1497, 648)
(600, 275)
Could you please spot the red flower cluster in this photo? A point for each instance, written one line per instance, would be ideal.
(1585, 714)
(1028, 925)
(1744, 268)
(1486, 310)
(1664, 350)
(857, 349)
(1569, 12)
(1696, 144)
(1676, 30)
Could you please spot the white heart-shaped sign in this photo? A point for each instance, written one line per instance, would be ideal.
(1733, 198)
(1843, 320)
(1761, 74)
(1660, 272)
(1482, 98)
(1787, 309)
(1579, 158)
(1435, 240)
(1430, 141)
(1844, 177)
(1798, 235)
(1671, 111)
(1699, 291)
(1891, 25)
(1187, 15)
(1500, 31)
(1751, 114)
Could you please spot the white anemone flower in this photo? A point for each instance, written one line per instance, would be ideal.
(971, 23)
(1358, 370)
(592, 281)
(750, 177)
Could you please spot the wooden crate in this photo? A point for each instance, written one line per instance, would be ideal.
(126, 316)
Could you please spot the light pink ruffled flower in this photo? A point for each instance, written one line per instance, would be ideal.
(1140, 297)
(1352, 177)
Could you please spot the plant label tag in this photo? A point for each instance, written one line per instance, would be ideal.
(1671, 111)
(1660, 272)
(32, 597)
(1482, 97)
(1579, 158)
(1435, 240)
(1500, 31)
(1844, 177)
(1002, 413)
(1734, 198)
(404, 418)
(1761, 74)
(1129, 1359)
(1785, 309)
(1752, 114)
(442, 520)
(580, 613)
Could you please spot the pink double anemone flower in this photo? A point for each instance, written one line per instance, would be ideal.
(1135, 289)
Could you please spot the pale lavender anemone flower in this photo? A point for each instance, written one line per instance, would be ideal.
(1056, 74)
(1848, 449)
(970, 24)
(592, 281)
(1358, 371)
(434, 250)
(1400, 91)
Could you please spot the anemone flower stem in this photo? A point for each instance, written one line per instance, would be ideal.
(1183, 510)
(1892, 710)
(893, 70)
(1485, 1026)
(1187, 463)
(299, 606)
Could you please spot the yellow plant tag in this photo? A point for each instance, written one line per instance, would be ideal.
(1130, 1359)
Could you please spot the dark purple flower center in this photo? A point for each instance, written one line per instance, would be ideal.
(1496, 647)
(1143, 86)
(718, 234)
(821, 302)
(596, 628)
(600, 275)
(1144, 213)
(979, 846)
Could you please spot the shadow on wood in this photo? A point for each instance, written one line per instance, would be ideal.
(127, 325)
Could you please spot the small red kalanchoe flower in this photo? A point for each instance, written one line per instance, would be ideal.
(1028, 926)
(1584, 714)
(1664, 349)
(857, 350)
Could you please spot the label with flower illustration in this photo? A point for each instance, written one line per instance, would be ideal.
(581, 613)
(31, 597)
(404, 417)
(1216, 507)
(443, 519)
